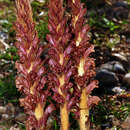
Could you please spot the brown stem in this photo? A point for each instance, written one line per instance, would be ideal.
(84, 111)
(63, 108)
(64, 117)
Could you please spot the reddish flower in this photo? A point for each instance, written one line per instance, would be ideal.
(84, 65)
(30, 80)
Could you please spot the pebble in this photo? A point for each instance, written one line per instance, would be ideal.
(118, 90)
(126, 79)
(21, 117)
(107, 78)
(10, 108)
(13, 128)
(2, 110)
(5, 117)
(113, 66)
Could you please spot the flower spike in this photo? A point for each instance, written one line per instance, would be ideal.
(85, 65)
(30, 80)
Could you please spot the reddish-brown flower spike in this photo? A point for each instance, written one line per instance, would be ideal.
(60, 63)
(84, 64)
(30, 69)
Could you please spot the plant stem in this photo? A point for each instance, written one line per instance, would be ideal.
(63, 107)
(84, 111)
(64, 117)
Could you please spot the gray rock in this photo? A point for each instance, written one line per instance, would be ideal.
(3, 35)
(114, 66)
(5, 117)
(107, 66)
(126, 79)
(123, 59)
(120, 57)
(128, 40)
(2, 110)
(10, 109)
(120, 10)
(107, 78)
(118, 68)
(13, 128)
(21, 117)
(118, 90)
(120, 4)
(105, 126)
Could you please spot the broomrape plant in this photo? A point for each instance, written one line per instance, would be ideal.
(68, 79)
(30, 80)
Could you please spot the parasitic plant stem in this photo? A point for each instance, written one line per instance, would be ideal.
(59, 58)
(64, 117)
(84, 111)
(84, 64)
(30, 70)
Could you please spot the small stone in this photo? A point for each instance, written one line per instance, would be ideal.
(3, 35)
(5, 117)
(126, 79)
(10, 108)
(120, 4)
(105, 126)
(108, 66)
(107, 78)
(2, 110)
(128, 40)
(13, 128)
(118, 68)
(114, 66)
(118, 90)
(120, 57)
(21, 117)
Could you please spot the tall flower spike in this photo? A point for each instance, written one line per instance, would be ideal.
(30, 70)
(84, 64)
(59, 62)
